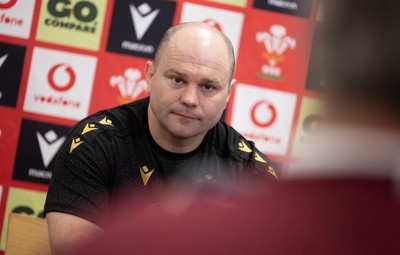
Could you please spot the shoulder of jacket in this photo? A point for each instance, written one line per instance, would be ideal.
(243, 149)
(231, 140)
(97, 126)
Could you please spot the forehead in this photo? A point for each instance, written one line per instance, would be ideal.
(197, 50)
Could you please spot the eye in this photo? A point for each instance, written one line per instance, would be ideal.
(177, 80)
(208, 87)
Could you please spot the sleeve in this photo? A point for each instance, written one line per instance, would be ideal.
(81, 177)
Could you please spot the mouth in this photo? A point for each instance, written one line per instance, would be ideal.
(186, 116)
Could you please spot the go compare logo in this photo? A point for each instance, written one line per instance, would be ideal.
(63, 12)
(72, 22)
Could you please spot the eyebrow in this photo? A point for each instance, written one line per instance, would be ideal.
(208, 81)
(176, 73)
(184, 76)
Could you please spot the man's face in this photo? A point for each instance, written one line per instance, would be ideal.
(190, 86)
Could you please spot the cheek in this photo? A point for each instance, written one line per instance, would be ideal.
(157, 89)
(154, 85)
(214, 108)
(156, 96)
(162, 95)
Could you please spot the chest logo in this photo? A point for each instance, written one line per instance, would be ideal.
(146, 174)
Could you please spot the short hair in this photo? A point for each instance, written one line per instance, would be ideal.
(172, 31)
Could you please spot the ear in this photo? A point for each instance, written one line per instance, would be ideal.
(231, 87)
(149, 72)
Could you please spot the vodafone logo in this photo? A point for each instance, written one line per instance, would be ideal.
(263, 114)
(213, 23)
(7, 4)
(5, 18)
(60, 82)
(61, 77)
(16, 17)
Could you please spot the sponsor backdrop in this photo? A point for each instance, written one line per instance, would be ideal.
(61, 60)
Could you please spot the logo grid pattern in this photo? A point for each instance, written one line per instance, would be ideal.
(63, 60)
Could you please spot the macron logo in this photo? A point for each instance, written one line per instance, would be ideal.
(3, 59)
(142, 18)
(49, 145)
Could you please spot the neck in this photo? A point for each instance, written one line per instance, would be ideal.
(168, 141)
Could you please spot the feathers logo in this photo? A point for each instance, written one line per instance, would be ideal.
(276, 43)
(130, 85)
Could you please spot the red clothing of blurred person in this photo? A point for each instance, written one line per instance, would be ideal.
(353, 216)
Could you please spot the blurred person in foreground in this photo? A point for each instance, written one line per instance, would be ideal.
(344, 199)
(134, 152)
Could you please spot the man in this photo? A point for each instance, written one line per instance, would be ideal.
(346, 199)
(171, 138)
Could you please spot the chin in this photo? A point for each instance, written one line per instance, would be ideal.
(185, 132)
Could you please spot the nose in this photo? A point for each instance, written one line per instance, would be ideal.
(190, 96)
